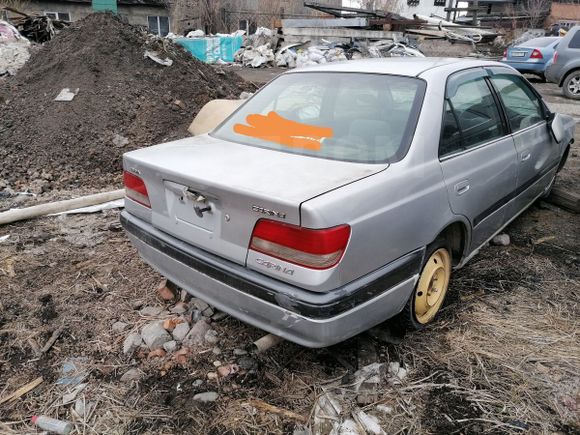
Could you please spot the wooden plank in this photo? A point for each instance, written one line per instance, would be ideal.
(22, 390)
(565, 198)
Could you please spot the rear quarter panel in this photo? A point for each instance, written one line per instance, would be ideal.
(395, 211)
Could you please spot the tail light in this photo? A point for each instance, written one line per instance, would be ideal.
(555, 58)
(315, 249)
(536, 54)
(135, 189)
(505, 53)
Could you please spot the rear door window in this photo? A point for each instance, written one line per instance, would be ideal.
(471, 116)
(523, 107)
(575, 41)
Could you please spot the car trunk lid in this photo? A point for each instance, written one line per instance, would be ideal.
(210, 192)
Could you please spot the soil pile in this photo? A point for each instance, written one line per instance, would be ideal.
(125, 101)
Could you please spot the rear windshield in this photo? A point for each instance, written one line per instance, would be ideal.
(539, 42)
(366, 118)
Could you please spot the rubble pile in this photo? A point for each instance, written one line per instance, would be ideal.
(125, 89)
(14, 49)
(173, 334)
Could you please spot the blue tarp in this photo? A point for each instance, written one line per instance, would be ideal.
(212, 48)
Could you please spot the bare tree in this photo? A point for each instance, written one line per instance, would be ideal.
(536, 10)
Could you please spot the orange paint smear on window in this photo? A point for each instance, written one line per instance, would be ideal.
(274, 128)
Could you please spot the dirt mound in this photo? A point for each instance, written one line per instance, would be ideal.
(125, 101)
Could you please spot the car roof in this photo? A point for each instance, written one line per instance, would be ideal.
(404, 66)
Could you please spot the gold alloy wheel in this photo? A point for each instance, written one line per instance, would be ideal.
(432, 286)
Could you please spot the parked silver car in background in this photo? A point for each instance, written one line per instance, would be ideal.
(564, 69)
(343, 195)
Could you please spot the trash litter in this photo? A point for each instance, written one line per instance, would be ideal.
(196, 34)
(67, 94)
(73, 371)
(72, 395)
(52, 424)
(154, 56)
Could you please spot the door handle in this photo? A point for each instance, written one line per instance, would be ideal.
(462, 187)
(526, 156)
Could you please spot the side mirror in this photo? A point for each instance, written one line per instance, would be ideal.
(556, 127)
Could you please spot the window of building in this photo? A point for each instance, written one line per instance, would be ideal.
(63, 16)
(158, 25)
(413, 2)
(439, 2)
(471, 115)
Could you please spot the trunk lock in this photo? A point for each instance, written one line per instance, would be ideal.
(198, 198)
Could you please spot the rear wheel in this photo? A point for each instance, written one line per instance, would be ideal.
(571, 85)
(431, 289)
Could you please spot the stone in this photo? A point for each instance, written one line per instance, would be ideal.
(212, 375)
(131, 343)
(197, 383)
(171, 323)
(157, 353)
(240, 352)
(132, 375)
(216, 351)
(170, 346)
(199, 304)
(220, 315)
(501, 240)
(208, 312)
(179, 308)
(180, 331)
(181, 356)
(247, 363)
(245, 95)
(211, 336)
(151, 311)
(196, 334)
(119, 327)
(228, 369)
(165, 291)
(154, 335)
(208, 396)
(195, 316)
(217, 363)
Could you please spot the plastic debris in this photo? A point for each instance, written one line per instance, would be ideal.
(154, 56)
(73, 371)
(52, 424)
(67, 94)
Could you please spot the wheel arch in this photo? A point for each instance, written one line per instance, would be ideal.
(457, 235)
(565, 76)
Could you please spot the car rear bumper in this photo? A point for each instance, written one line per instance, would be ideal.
(304, 317)
(530, 67)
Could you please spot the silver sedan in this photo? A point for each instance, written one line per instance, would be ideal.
(343, 195)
